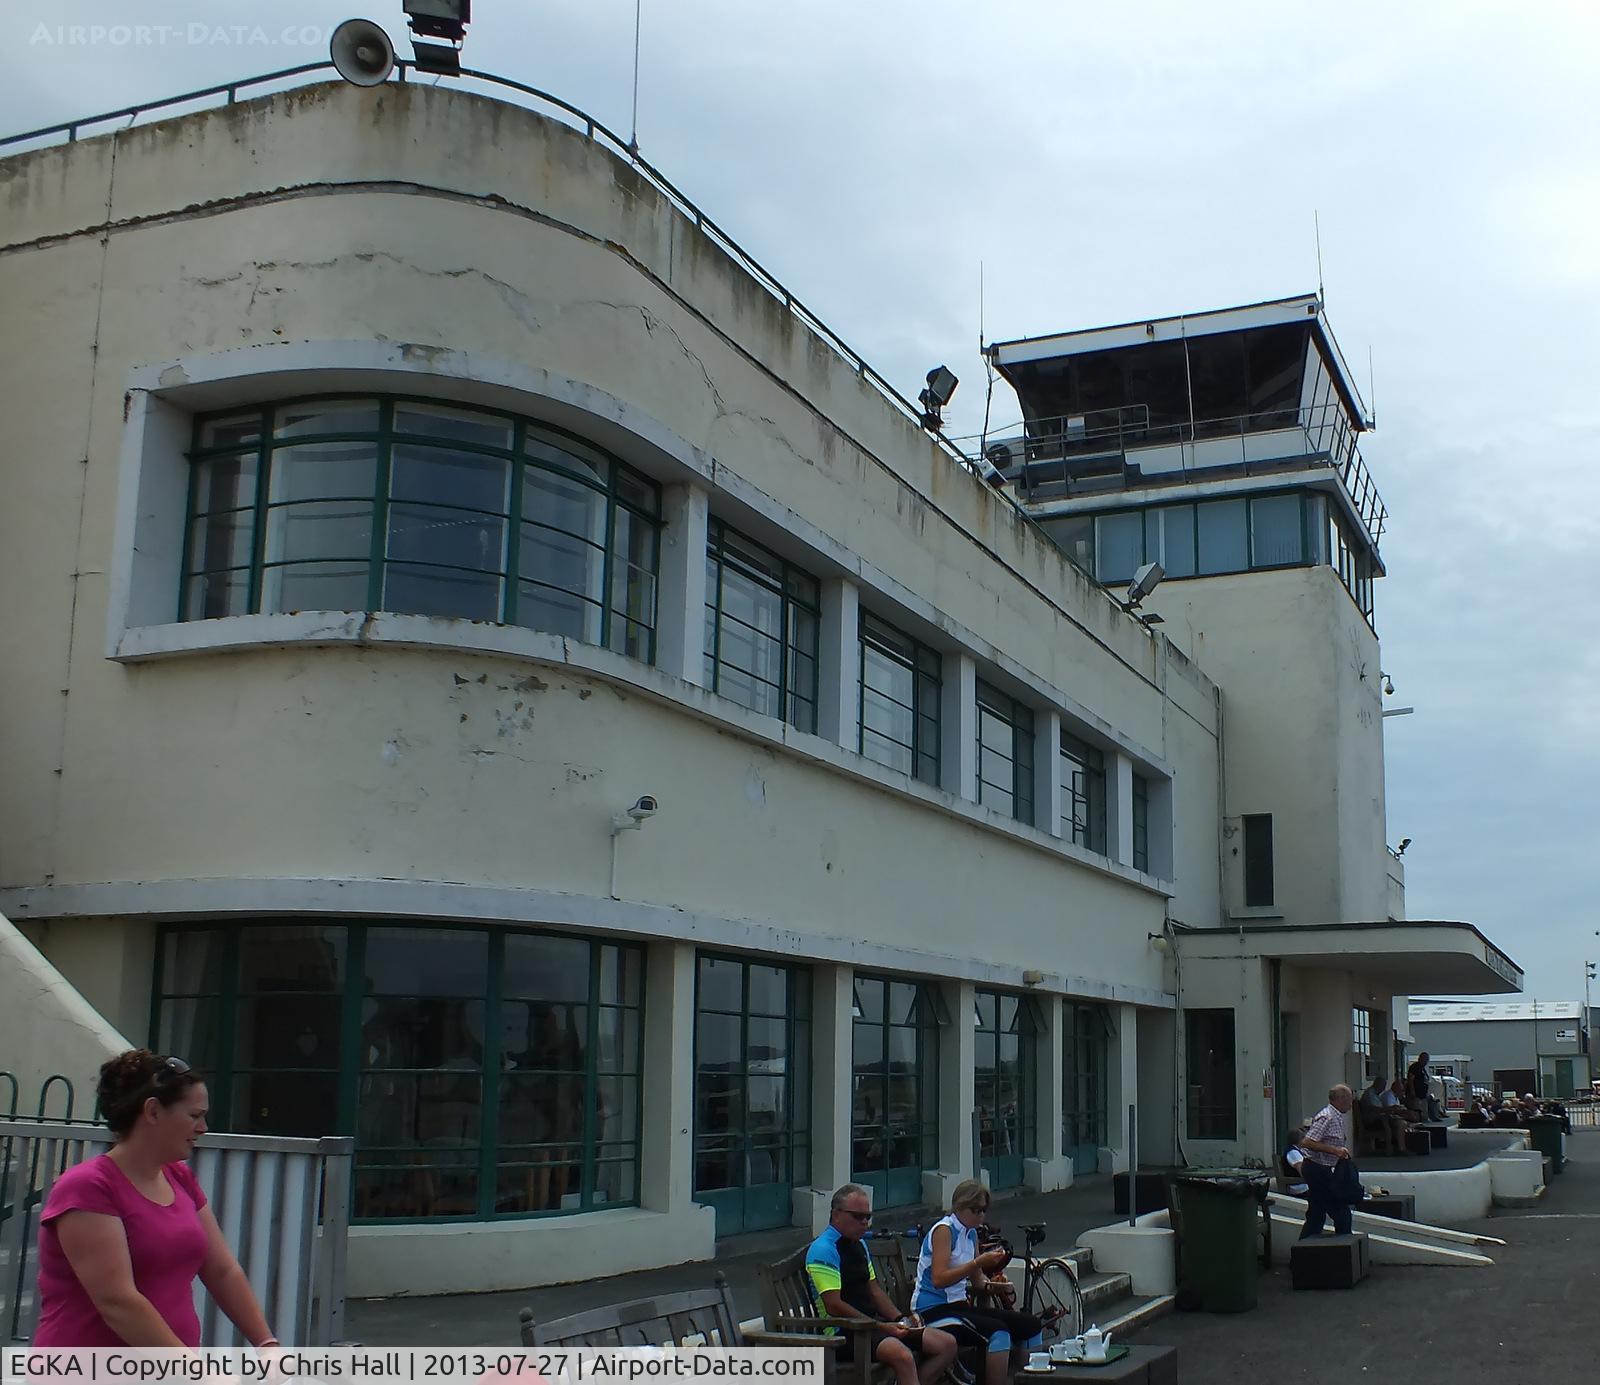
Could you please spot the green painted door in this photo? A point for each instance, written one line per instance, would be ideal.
(894, 1121)
(1085, 1038)
(752, 1085)
(1004, 1066)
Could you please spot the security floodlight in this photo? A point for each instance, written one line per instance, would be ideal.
(438, 19)
(1401, 849)
(941, 387)
(1145, 580)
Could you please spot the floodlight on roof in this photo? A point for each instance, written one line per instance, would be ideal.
(438, 19)
(942, 384)
(1145, 580)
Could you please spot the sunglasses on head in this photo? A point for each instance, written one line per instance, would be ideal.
(170, 1070)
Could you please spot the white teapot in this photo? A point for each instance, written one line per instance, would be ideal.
(1095, 1344)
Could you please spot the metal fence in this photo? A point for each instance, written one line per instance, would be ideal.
(283, 1205)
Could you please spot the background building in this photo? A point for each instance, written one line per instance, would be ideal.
(1514, 1046)
(497, 677)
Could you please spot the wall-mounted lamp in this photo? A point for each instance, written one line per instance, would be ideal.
(1401, 849)
(1160, 941)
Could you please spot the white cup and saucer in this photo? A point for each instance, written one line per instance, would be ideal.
(1063, 1353)
(1039, 1362)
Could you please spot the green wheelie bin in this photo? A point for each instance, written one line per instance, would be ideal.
(1217, 1215)
(1545, 1134)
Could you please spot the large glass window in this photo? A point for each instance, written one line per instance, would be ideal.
(1118, 545)
(483, 1072)
(1005, 754)
(1083, 793)
(1213, 1104)
(1276, 534)
(1222, 537)
(389, 504)
(762, 616)
(1005, 1070)
(894, 1123)
(899, 714)
(752, 1090)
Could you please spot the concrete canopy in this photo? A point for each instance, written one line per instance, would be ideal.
(1435, 957)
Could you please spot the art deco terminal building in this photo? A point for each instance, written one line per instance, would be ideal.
(401, 485)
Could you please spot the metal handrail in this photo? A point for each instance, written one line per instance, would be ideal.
(1328, 438)
(594, 129)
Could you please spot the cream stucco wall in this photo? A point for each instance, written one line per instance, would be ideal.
(1303, 731)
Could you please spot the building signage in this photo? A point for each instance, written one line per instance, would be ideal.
(1566, 1036)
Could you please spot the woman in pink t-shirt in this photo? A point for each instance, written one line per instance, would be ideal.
(123, 1236)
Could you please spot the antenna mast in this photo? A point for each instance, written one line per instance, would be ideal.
(1316, 223)
(633, 139)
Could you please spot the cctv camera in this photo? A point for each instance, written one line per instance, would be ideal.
(644, 808)
(1388, 686)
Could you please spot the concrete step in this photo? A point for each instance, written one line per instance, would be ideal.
(1081, 1258)
(1101, 1290)
(1135, 1313)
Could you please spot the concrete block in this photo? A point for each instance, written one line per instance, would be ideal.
(1329, 1262)
(1147, 1254)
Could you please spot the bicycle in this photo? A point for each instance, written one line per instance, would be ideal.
(1049, 1287)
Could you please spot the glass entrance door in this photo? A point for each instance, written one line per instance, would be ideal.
(752, 1102)
(894, 1122)
(1085, 1035)
(1004, 1068)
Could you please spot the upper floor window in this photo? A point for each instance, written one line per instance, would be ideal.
(389, 504)
(899, 717)
(1005, 754)
(1258, 892)
(1141, 823)
(1083, 793)
(762, 614)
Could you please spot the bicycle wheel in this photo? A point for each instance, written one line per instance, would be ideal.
(1054, 1299)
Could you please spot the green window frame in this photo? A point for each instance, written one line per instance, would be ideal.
(1004, 736)
(1006, 1027)
(763, 618)
(309, 1027)
(1141, 823)
(418, 506)
(1188, 539)
(1086, 1033)
(894, 1122)
(1083, 793)
(897, 721)
(746, 1010)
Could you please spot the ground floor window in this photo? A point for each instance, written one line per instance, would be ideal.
(483, 1071)
(1005, 1067)
(752, 1090)
(1213, 1090)
(894, 1121)
(1085, 1067)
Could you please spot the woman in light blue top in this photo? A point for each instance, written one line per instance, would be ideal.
(950, 1269)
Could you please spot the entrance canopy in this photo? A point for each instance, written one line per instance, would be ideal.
(1410, 957)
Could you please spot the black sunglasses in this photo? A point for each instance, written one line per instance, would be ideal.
(170, 1070)
(859, 1216)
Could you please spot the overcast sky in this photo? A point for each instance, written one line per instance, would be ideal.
(1107, 162)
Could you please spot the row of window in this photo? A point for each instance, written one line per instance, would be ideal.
(495, 1072)
(406, 505)
(1213, 537)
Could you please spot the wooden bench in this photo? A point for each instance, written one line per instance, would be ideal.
(788, 1305)
(1370, 1134)
(698, 1317)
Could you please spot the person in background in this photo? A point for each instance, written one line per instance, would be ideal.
(846, 1286)
(1380, 1116)
(1292, 1162)
(951, 1269)
(123, 1236)
(1419, 1090)
(1324, 1144)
